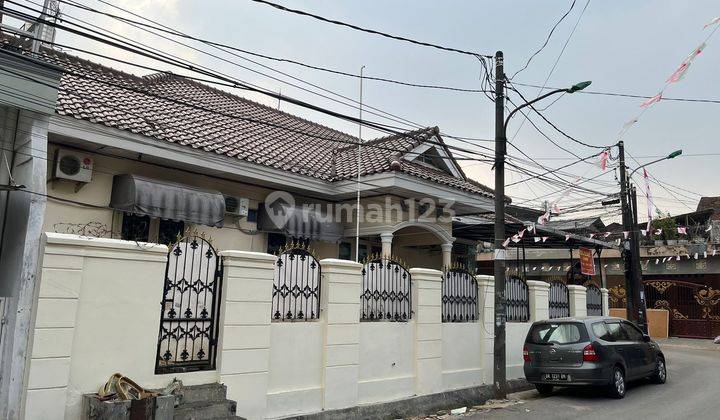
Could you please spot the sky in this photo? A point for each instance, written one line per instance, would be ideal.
(622, 47)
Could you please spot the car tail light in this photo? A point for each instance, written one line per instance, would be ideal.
(589, 354)
(526, 354)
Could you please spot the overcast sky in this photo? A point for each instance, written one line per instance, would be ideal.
(622, 46)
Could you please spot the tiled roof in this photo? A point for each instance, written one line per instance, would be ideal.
(175, 109)
(706, 203)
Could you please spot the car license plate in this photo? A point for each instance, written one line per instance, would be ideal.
(556, 377)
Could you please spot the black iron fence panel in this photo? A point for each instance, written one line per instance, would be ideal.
(559, 300)
(189, 310)
(459, 296)
(594, 300)
(386, 292)
(517, 300)
(296, 285)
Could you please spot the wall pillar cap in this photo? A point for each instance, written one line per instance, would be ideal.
(447, 246)
(485, 280)
(426, 272)
(386, 236)
(336, 262)
(576, 287)
(604, 290)
(247, 255)
(537, 284)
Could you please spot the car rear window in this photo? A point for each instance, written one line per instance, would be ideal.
(560, 333)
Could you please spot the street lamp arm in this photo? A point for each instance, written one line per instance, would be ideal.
(539, 98)
(670, 156)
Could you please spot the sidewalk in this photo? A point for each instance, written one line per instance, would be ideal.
(689, 343)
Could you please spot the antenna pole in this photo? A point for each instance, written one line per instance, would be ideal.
(357, 211)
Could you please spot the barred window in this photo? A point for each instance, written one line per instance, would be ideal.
(296, 285)
(517, 300)
(385, 291)
(594, 300)
(459, 296)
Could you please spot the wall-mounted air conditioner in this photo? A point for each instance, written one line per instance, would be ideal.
(236, 206)
(73, 166)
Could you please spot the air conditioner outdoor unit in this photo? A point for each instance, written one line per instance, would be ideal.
(236, 206)
(73, 166)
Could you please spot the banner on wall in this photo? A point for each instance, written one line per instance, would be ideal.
(587, 264)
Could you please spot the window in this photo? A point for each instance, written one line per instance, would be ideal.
(275, 241)
(617, 333)
(556, 333)
(600, 330)
(632, 332)
(169, 231)
(424, 158)
(135, 227)
(345, 251)
(363, 252)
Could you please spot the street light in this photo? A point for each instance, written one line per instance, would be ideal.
(670, 156)
(499, 366)
(635, 296)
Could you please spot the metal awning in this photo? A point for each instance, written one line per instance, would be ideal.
(167, 200)
(298, 222)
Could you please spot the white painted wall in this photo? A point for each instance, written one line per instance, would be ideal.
(462, 364)
(98, 314)
(295, 381)
(386, 361)
(515, 333)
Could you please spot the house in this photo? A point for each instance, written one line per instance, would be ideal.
(153, 159)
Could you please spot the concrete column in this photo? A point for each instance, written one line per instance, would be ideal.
(427, 300)
(605, 302)
(446, 254)
(244, 350)
(341, 288)
(539, 292)
(578, 300)
(386, 239)
(486, 302)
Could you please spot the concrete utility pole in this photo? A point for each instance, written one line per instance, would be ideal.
(634, 293)
(499, 379)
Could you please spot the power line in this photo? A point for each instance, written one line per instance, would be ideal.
(372, 31)
(547, 40)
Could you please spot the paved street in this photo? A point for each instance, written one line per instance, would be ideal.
(691, 392)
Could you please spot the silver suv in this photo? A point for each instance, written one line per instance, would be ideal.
(600, 351)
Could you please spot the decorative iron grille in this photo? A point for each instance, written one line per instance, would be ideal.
(189, 310)
(517, 300)
(559, 300)
(296, 286)
(386, 291)
(594, 300)
(459, 296)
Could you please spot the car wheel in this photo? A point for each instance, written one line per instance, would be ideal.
(617, 386)
(544, 389)
(660, 375)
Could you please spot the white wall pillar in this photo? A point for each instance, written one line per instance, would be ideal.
(386, 239)
(341, 289)
(539, 292)
(578, 300)
(605, 302)
(427, 301)
(244, 351)
(446, 254)
(486, 302)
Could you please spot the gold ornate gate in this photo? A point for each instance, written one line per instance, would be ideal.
(694, 308)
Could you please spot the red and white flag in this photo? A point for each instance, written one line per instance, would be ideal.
(679, 73)
(567, 238)
(607, 234)
(709, 228)
(521, 233)
(592, 235)
(648, 199)
(536, 239)
(678, 258)
(651, 101)
(626, 234)
(505, 244)
(682, 230)
(603, 159)
(516, 238)
(643, 232)
(545, 238)
(712, 22)
(658, 232)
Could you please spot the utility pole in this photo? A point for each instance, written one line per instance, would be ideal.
(634, 293)
(639, 290)
(499, 379)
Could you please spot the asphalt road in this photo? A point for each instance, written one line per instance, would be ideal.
(692, 391)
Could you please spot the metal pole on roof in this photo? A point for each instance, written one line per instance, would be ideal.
(357, 211)
(40, 28)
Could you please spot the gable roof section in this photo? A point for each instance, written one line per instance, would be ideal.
(706, 203)
(175, 109)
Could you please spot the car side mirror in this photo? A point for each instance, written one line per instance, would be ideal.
(646, 338)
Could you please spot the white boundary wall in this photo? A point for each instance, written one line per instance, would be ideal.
(97, 314)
